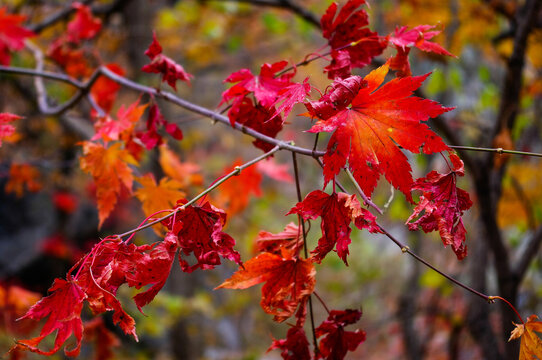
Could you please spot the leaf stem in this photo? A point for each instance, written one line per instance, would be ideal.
(509, 304)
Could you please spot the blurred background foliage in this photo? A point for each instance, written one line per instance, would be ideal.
(47, 210)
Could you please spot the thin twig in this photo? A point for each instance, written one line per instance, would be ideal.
(495, 150)
(406, 249)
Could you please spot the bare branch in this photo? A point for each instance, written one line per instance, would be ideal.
(530, 250)
(282, 4)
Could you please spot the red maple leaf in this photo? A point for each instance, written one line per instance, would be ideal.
(441, 207)
(337, 342)
(295, 346)
(6, 129)
(161, 64)
(83, 26)
(274, 170)
(235, 194)
(263, 120)
(151, 138)
(199, 231)
(12, 35)
(63, 307)
(292, 94)
(405, 39)
(288, 281)
(105, 339)
(104, 91)
(337, 212)
(369, 132)
(109, 129)
(153, 269)
(352, 43)
(265, 87)
(291, 239)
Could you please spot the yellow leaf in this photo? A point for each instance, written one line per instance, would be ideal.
(531, 344)
(156, 197)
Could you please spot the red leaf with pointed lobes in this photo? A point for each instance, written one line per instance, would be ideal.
(348, 27)
(12, 35)
(161, 64)
(151, 138)
(291, 95)
(109, 129)
(287, 280)
(6, 129)
(266, 87)
(83, 26)
(63, 307)
(337, 341)
(405, 39)
(258, 118)
(295, 346)
(441, 207)
(153, 269)
(291, 239)
(235, 194)
(199, 231)
(337, 212)
(369, 132)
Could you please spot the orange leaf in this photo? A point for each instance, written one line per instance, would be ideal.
(234, 194)
(287, 282)
(156, 197)
(184, 172)
(110, 171)
(21, 175)
(531, 344)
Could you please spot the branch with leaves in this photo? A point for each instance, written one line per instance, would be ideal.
(372, 122)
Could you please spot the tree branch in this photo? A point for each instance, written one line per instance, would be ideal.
(282, 4)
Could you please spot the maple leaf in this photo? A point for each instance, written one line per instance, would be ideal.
(258, 118)
(109, 129)
(531, 344)
(291, 95)
(291, 239)
(67, 55)
(337, 342)
(351, 41)
(274, 170)
(199, 231)
(337, 212)
(104, 91)
(110, 171)
(156, 197)
(265, 87)
(161, 64)
(23, 176)
(295, 346)
(12, 35)
(234, 194)
(287, 282)
(441, 207)
(105, 339)
(63, 307)
(83, 26)
(6, 129)
(185, 173)
(153, 269)
(151, 138)
(367, 134)
(404, 39)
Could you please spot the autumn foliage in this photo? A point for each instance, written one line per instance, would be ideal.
(372, 124)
